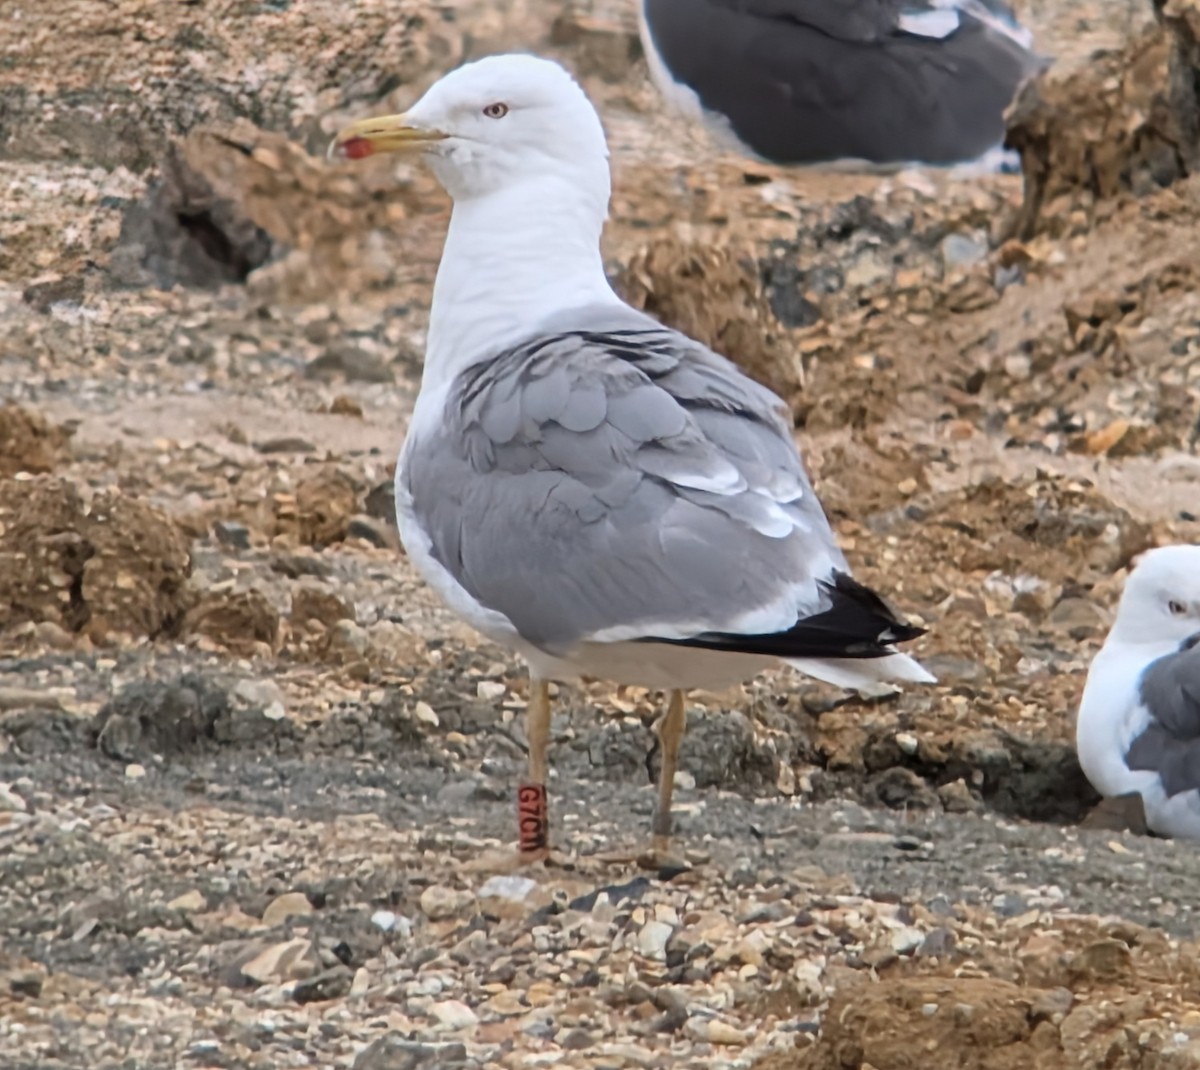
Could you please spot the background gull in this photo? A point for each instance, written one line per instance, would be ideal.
(603, 495)
(1139, 722)
(854, 82)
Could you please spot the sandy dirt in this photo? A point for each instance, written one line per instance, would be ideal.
(247, 761)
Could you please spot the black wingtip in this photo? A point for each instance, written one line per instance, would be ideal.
(857, 624)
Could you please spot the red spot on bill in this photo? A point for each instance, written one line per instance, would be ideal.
(356, 148)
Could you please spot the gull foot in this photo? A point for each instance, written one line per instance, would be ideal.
(506, 861)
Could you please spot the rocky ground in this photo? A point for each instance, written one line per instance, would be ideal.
(248, 765)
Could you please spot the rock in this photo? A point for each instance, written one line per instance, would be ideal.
(159, 717)
(29, 442)
(652, 939)
(25, 983)
(192, 902)
(956, 798)
(513, 888)
(937, 943)
(454, 1014)
(1121, 813)
(185, 232)
(328, 984)
(393, 1051)
(264, 694)
(1086, 132)
(313, 604)
(10, 801)
(896, 1024)
(901, 789)
(374, 532)
(109, 568)
(279, 962)
(906, 941)
(714, 1031)
(962, 250)
(318, 513)
(243, 622)
(285, 444)
(1053, 1005)
(439, 902)
(389, 921)
(1103, 962)
(231, 534)
(350, 362)
(288, 905)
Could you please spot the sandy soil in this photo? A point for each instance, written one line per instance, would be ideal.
(247, 761)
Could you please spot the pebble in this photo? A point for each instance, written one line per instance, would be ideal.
(425, 713)
(652, 939)
(192, 902)
(135, 771)
(454, 1014)
(288, 905)
(10, 801)
(716, 1031)
(490, 689)
(906, 941)
(388, 920)
(438, 902)
(512, 888)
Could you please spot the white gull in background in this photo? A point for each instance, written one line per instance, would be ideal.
(855, 83)
(1138, 730)
(602, 495)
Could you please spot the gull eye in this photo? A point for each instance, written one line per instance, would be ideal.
(496, 111)
(1177, 609)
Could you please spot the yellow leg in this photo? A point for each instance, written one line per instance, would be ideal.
(537, 729)
(532, 833)
(658, 855)
(670, 735)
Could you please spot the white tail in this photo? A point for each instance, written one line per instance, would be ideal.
(864, 674)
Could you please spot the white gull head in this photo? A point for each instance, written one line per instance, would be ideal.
(1160, 604)
(508, 119)
(521, 150)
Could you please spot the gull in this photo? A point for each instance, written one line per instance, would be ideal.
(856, 84)
(602, 495)
(1138, 730)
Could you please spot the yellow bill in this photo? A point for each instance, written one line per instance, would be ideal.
(383, 133)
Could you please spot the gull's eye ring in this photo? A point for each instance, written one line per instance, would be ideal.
(1176, 609)
(496, 111)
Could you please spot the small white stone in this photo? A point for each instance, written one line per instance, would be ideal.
(454, 1014)
(10, 800)
(386, 920)
(652, 940)
(907, 742)
(425, 713)
(507, 887)
(907, 940)
(135, 771)
(490, 689)
(684, 780)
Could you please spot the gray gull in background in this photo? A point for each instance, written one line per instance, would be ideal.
(1138, 730)
(857, 83)
(602, 495)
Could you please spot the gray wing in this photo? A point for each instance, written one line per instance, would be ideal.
(620, 482)
(1170, 745)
